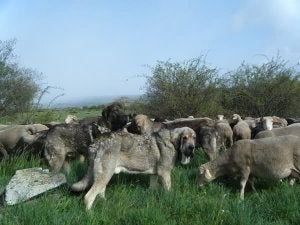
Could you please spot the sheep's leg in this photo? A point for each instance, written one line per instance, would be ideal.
(294, 175)
(243, 181)
(251, 181)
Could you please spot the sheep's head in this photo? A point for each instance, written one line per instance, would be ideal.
(204, 175)
(267, 123)
(220, 117)
(71, 119)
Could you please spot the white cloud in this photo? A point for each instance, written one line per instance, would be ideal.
(280, 15)
(280, 18)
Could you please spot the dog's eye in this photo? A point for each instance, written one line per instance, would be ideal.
(184, 138)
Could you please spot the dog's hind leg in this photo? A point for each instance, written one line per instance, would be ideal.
(3, 151)
(104, 169)
(86, 181)
(153, 182)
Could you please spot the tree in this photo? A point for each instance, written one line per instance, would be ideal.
(18, 86)
(272, 88)
(181, 89)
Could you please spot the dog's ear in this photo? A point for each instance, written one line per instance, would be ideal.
(105, 114)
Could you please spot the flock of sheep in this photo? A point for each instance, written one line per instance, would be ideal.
(266, 147)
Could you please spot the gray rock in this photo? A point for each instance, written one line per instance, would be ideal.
(31, 182)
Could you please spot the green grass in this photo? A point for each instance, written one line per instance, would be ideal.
(128, 201)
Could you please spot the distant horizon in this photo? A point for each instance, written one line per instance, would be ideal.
(85, 101)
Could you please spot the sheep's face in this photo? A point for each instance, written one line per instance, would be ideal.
(235, 117)
(204, 176)
(268, 123)
(220, 117)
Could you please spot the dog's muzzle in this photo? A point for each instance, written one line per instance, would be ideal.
(189, 152)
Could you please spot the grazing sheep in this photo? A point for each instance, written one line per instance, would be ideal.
(14, 136)
(292, 130)
(241, 130)
(270, 158)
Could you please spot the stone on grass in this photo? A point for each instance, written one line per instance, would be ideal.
(31, 182)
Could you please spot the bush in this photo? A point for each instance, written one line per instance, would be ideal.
(181, 89)
(272, 88)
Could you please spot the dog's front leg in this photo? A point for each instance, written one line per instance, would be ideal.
(166, 180)
(153, 182)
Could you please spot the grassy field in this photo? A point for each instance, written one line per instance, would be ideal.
(130, 202)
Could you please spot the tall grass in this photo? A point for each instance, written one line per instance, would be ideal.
(128, 201)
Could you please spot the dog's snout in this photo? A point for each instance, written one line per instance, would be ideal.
(190, 151)
(191, 147)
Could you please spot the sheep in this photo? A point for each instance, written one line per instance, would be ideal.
(292, 129)
(241, 130)
(270, 158)
(13, 136)
(264, 123)
(292, 120)
(70, 119)
(279, 122)
(224, 133)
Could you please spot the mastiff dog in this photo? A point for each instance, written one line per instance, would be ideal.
(121, 151)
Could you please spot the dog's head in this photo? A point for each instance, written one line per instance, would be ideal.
(184, 139)
(208, 141)
(114, 116)
(54, 156)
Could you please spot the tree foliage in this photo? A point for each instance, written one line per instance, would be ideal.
(18, 85)
(272, 88)
(192, 88)
(181, 89)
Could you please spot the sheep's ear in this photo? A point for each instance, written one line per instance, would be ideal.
(208, 175)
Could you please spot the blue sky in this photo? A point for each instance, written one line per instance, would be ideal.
(98, 48)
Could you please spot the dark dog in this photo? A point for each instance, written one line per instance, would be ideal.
(64, 139)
